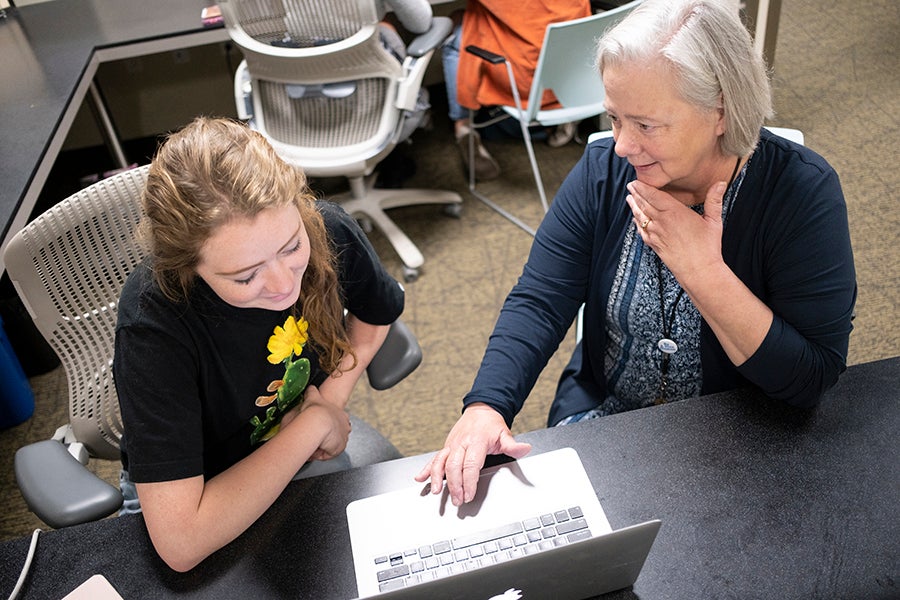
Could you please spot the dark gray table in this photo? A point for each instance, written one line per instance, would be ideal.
(757, 501)
(49, 53)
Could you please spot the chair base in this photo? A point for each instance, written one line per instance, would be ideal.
(538, 181)
(371, 203)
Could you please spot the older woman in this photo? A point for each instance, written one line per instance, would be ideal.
(234, 361)
(709, 254)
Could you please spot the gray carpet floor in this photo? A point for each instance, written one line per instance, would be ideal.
(836, 77)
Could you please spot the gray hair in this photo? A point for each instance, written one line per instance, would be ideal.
(712, 55)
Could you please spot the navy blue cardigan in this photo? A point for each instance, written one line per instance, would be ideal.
(787, 238)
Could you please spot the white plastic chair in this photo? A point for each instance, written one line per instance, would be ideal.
(69, 266)
(566, 65)
(317, 81)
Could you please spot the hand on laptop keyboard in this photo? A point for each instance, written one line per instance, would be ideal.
(480, 431)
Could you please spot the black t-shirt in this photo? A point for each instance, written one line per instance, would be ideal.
(188, 375)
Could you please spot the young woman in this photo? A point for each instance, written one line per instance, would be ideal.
(234, 358)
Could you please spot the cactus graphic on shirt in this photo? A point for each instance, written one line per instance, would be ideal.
(285, 346)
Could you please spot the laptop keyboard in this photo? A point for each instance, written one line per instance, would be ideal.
(447, 557)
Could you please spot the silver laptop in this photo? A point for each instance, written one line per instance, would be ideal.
(535, 529)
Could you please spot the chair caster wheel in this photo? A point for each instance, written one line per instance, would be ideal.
(410, 274)
(453, 210)
(366, 224)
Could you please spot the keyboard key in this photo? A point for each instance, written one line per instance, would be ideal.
(443, 572)
(531, 524)
(547, 520)
(390, 586)
(579, 535)
(442, 547)
(425, 551)
(393, 573)
(487, 535)
(570, 526)
(534, 536)
(561, 516)
(575, 512)
(417, 566)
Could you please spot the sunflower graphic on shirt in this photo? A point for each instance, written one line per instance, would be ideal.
(285, 346)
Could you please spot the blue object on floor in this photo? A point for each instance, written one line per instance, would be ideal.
(16, 397)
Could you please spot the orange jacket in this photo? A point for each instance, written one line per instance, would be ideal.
(514, 29)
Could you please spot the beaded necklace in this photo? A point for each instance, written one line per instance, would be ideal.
(666, 344)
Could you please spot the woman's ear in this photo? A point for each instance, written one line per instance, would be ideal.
(720, 113)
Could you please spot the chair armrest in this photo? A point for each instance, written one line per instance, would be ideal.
(243, 92)
(398, 356)
(491, 57)
(423, 43)
(59, 489)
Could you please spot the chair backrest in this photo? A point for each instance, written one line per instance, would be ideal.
(69, 266)
(794, 135)
(324, 88)
(567, 65)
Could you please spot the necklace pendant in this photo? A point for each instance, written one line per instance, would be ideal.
(668, 346)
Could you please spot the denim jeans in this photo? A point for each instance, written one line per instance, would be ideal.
(587, 415)
(450, 61)
(131, 505)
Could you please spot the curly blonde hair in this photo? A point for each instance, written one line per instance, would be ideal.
(215, 170)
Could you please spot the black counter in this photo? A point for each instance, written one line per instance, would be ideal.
(48, 54)
(757, 500)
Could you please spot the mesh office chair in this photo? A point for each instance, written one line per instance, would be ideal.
(318, 82)
(566, 65)
(69, 266)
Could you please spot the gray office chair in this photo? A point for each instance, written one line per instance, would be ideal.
(318, 82)
(69, 266)
(565, 66)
